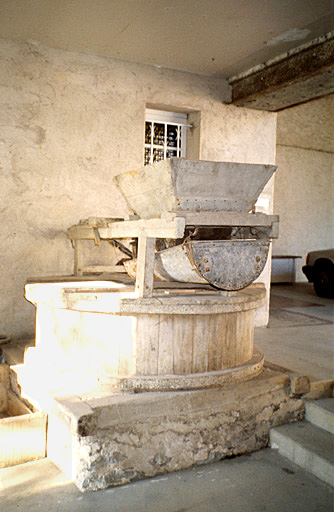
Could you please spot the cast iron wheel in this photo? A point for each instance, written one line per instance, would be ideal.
(323, 281)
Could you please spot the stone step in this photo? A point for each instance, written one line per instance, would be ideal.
(321, 413)
(308, 446)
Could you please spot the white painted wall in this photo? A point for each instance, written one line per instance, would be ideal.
(69, 122)
(304, 182)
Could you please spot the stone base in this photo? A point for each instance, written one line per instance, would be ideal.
(105, 440)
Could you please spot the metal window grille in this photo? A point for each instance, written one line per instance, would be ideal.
(165, 135)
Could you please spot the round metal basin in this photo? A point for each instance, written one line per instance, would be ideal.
(226, 264)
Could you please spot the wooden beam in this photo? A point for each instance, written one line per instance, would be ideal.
(145, 266)
(78, 258)
(223, 218)
(151, 228)
(172, 225)
(102, 268)
(309, 71)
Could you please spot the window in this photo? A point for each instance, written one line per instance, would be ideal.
(165, 135)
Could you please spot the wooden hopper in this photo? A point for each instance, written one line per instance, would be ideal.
(193, 185)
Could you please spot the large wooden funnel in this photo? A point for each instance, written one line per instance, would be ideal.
(186, 185)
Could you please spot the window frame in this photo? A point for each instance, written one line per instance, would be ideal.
(167, 118)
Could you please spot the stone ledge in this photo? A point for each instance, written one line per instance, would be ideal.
(118, 407)
(125, 437)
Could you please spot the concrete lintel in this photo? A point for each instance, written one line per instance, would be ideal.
(262, 89)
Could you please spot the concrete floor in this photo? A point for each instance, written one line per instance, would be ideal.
(300, 337)
(263, 481)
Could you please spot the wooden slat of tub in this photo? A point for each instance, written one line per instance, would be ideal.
(166, 352)
(23, 439)
(183, 326)
(147, 345)
(124, 346)
(216, 346)
(200, 342)
(244, 337)
(228, 356)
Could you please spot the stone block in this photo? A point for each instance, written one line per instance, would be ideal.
(125, 437)
(300, 384)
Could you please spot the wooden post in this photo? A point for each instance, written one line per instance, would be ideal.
(78, 258)
(145, 266)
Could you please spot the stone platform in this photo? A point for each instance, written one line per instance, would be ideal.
(102, 439)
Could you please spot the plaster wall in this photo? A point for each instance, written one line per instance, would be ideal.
(69, 122)
(304, 185)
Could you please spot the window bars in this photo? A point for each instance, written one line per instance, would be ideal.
(165, 135)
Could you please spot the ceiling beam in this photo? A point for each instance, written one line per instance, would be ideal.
(293, 79)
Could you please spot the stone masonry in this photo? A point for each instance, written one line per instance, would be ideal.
(112, 440)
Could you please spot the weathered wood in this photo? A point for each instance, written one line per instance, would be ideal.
(166, 340)
(4, 385)
(145, 266)
(206, 303)
(23, 439)
(169, 382)
(244, 336)
(200, 345)
(156, 228)
(187, 344)
(102, 268)
(215, 342)
(294, 70)
(80, 232)
(151, 228)
(15, 406)
(97, 239)
(78, 257)
(222, 218)
(123, 339)
(195, 185)
(147, 345)
(170, 225)
(183, 333)
(228, 343)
